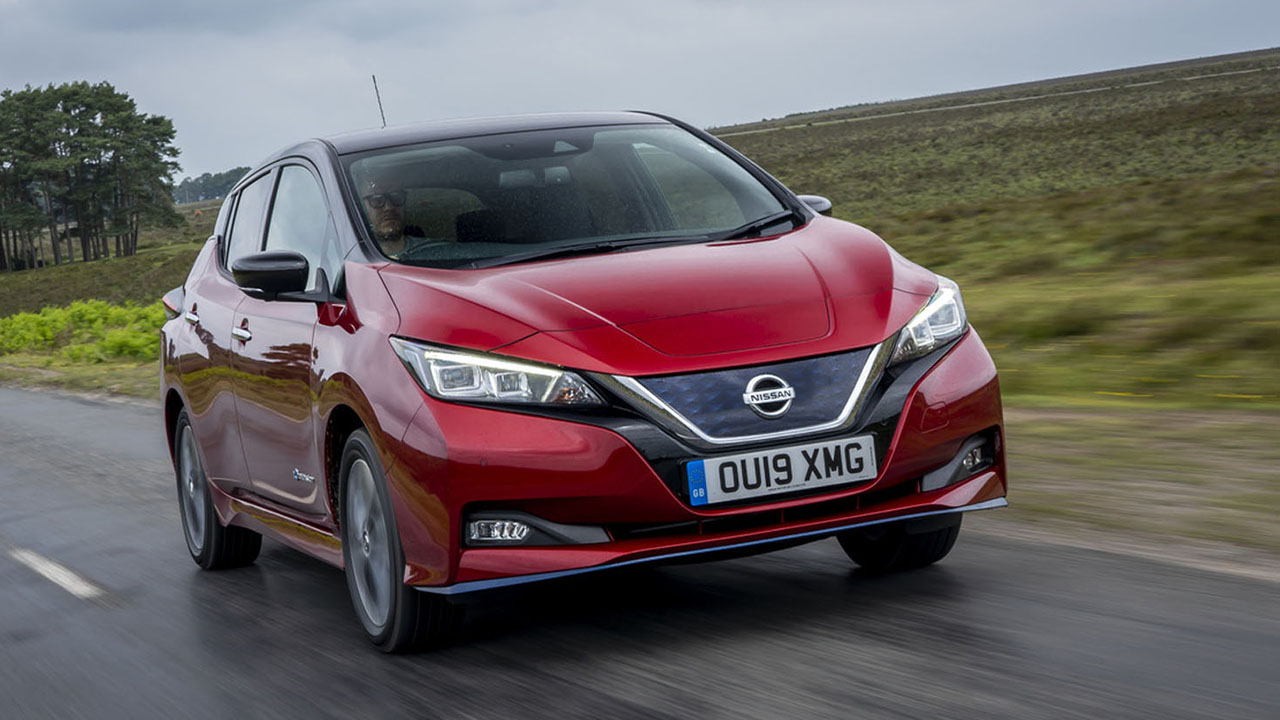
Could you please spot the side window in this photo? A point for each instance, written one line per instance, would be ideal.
(300, 222)
(224, 217)
(696, 198)
(246, 227)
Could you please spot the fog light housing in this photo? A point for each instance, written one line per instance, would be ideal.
(490, 527)
(977, 454)
(498, 531)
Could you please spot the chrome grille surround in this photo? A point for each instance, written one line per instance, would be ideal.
(650, 404)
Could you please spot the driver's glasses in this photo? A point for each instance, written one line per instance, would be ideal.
(378, 201)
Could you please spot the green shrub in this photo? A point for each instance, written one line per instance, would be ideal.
(87, 331)
(131, 343)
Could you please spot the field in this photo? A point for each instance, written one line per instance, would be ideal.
(1204, 476)
(1117, 238)
(1116, 246)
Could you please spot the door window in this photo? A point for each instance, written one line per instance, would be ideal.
(300, 222)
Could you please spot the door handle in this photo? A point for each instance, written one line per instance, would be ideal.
(242, 334)
(192, 318)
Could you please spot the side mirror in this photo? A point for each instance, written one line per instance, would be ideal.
(269, 274)
(817, 203)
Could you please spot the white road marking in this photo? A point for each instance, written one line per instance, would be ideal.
(58, 574)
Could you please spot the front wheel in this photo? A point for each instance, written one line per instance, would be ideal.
(395, 616)
(890, 547)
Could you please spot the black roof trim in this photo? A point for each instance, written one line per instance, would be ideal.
(307, 148)
(360, 141)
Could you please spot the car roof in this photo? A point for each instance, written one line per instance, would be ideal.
(362, 140)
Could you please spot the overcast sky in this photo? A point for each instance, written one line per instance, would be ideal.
(241, 78)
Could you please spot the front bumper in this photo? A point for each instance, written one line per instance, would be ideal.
(514, 569)
(625, 474)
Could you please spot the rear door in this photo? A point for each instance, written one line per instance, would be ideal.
(274, 354)
(206, 368)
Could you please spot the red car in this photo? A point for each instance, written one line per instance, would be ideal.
(470, 354)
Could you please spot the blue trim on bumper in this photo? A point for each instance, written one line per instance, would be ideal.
(477, 585)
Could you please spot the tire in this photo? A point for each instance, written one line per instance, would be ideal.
(396, 617)
(212, 545)
(893, 547)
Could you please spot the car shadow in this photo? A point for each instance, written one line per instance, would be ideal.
(287, 595)
(765, 593)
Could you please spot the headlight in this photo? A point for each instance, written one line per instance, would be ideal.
(474, 377)
(940, 321)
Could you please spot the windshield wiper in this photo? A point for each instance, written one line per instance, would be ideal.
(583, 249)
(754, 227)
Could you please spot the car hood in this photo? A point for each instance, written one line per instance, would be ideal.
(825, 287)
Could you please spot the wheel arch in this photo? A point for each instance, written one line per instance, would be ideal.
(342, 421)
(173, 406)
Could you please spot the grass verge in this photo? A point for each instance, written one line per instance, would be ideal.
(140, 379)
(1207, 475)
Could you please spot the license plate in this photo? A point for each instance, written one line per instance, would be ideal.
(739, 477)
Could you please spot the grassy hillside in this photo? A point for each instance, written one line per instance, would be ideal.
(140, 279)
(1117, 245)
(1243, 62)
(163, 260)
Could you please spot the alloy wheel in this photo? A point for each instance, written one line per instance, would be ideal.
(369, 547)
(191, 491)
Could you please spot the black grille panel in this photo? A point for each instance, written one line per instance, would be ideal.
(713, 400)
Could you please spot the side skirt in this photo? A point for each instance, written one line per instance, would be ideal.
(316, 541)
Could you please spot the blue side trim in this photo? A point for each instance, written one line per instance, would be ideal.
(476, 585)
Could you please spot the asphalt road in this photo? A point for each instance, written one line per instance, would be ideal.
(1002, 628)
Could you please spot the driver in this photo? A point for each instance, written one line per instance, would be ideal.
(384, 206)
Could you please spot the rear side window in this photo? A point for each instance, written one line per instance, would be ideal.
(246, 227)
(300, 222)
(224, 217)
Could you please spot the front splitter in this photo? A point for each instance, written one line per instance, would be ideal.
(478, 585)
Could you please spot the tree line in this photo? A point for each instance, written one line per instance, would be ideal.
(209, 186)
(80, 170)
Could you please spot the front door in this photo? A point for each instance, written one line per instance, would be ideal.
(274, 355)
(272, 346)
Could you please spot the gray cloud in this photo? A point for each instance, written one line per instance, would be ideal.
(241, 78)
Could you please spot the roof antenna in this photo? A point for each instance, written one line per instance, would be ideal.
(379, 96)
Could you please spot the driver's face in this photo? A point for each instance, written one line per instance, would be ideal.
(386, 211)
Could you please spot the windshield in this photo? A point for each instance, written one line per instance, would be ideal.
(477, 201)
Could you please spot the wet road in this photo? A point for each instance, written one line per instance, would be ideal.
(1002, 628)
